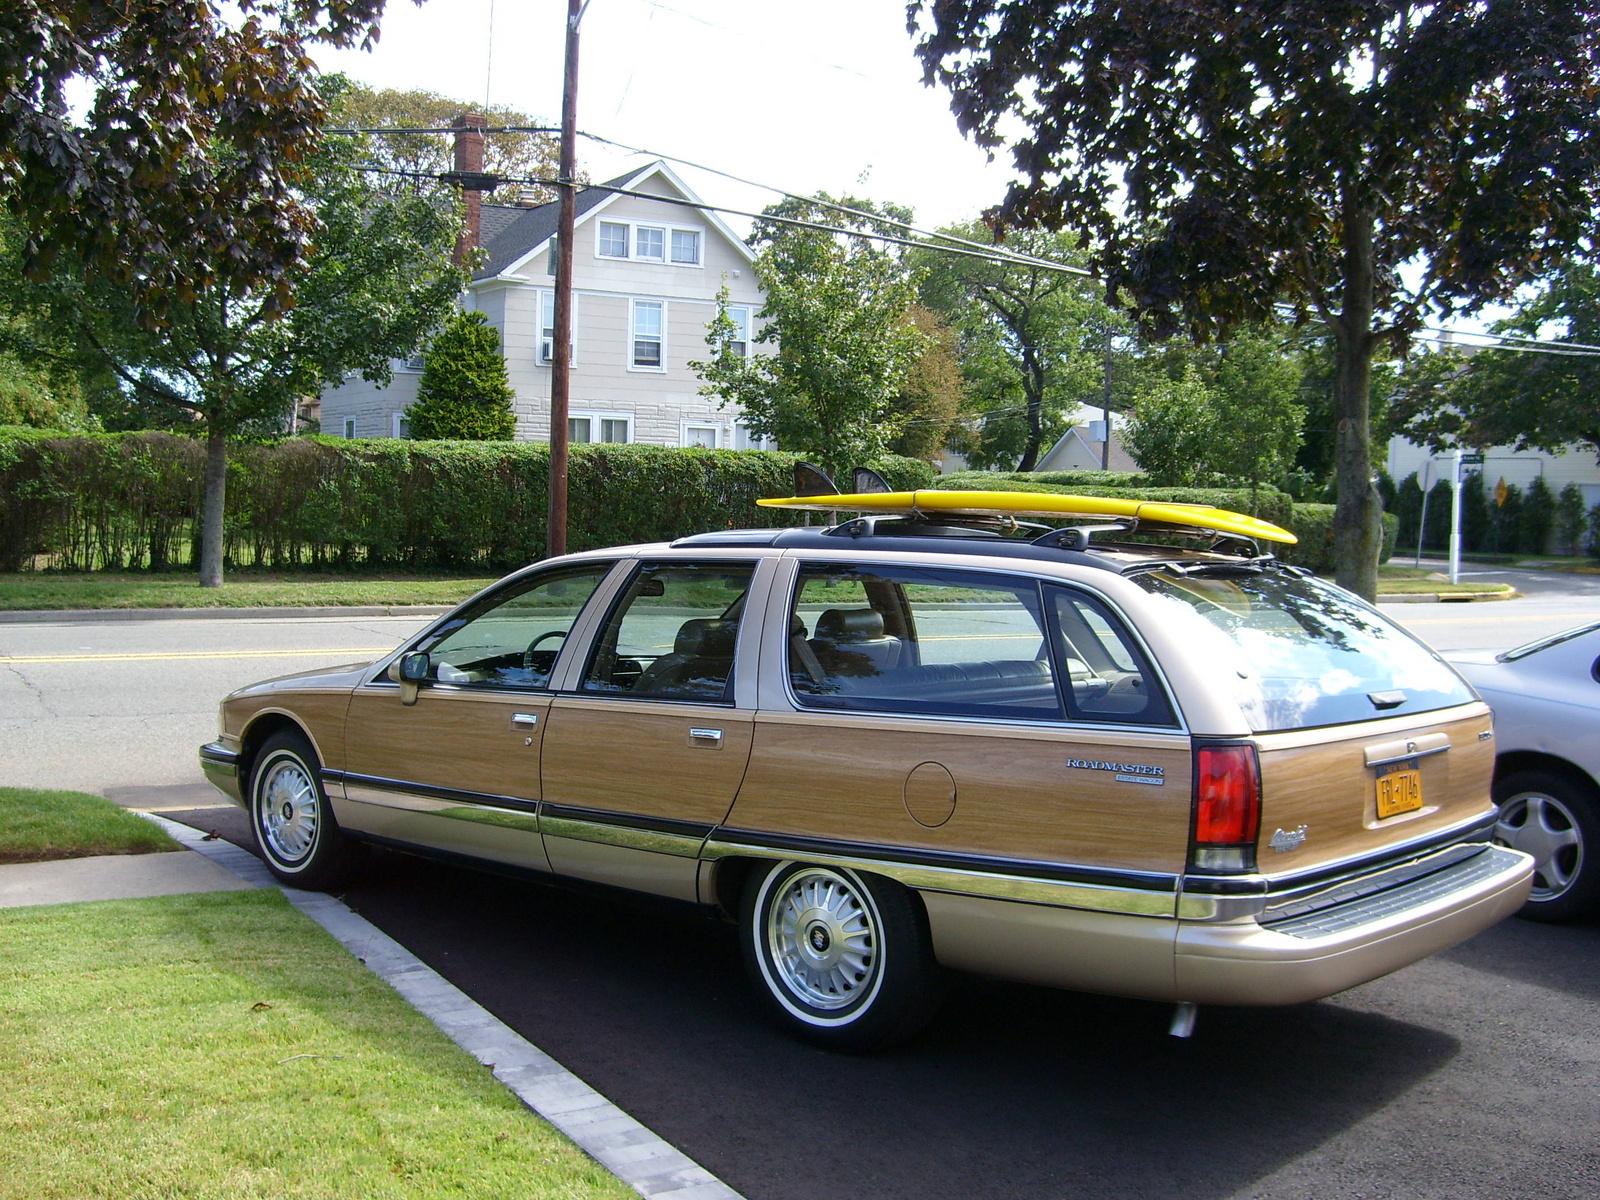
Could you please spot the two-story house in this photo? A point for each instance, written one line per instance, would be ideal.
(646, 274)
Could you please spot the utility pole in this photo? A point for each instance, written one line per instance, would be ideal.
(1105, 405)
(561, 342)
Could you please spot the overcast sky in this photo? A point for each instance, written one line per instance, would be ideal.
(806, 95)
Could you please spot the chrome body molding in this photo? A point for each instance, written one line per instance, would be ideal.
(220, 764)
(926, 876)
(681, 839)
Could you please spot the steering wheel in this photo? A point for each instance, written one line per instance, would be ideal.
(527, 655)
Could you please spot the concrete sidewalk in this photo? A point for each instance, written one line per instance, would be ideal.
(114, 877)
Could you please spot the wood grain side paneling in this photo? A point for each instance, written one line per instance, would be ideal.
(843, 776)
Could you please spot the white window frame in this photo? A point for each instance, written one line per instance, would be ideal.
(630, 348)
(666, 230)
(415, 363)
(349, 427)
(546, 316)
(595, 416)
(627, 239)
(718, 433)
(749, 320)
(741, 433)
(399, 425)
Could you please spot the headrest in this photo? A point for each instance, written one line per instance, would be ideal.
(850, 625)
(706, 639)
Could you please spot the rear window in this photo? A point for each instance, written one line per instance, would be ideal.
(1297, 652)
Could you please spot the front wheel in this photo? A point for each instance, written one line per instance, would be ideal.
(291, 819)
(1557, 820)
(843, 960)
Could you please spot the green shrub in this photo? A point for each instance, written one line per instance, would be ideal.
(984, 480)
(1313, 525)
(133, 500)
(464, 391)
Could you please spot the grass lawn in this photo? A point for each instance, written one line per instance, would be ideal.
(37, 825)
(222, 1046)
(182, 590)
(1414, 581)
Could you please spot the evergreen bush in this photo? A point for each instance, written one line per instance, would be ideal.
(464, 392)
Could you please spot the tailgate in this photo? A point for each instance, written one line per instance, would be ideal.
(1353, 791)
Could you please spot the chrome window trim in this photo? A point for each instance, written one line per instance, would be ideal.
(784, 591)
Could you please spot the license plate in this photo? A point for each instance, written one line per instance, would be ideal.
(1399, 792)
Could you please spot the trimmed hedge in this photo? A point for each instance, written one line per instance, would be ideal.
(133, 500)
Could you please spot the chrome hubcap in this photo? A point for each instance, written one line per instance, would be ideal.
(822, 940)
(289, 810)
(1544, 827)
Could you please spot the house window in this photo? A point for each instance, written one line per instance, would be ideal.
(599, 427)
(706, 436)
(743, 439)
(547, 328)
(675, 244)
(613, 240)
(399, 426)
(647, 335)
(349, 427)
(686, 247)
(739, 343)
(414, 363)
(649, 244)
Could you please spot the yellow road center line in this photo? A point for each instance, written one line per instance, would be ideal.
(173, 655)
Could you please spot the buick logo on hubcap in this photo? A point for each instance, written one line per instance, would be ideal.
(819, 939)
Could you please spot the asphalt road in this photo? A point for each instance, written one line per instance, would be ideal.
(1473, 1074)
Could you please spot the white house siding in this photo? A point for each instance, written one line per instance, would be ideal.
(372, 407)
(658, 403)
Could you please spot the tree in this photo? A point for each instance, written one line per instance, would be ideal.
(839, 310)
(1032, 340)
(464, 392)
(1174, 429)
(1516, 398)
(183, 175)
(1224, 158)
(420, 156)
(930, 398)
(229, 361)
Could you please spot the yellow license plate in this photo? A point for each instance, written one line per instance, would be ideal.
(1399, 792)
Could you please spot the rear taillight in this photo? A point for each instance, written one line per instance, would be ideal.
(1227, 809)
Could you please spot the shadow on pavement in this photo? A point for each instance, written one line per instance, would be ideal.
(1563, 957)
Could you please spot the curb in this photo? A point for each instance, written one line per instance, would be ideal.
(1449, 597)
(633, 1153)
(79, 616)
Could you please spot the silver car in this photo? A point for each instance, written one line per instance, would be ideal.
(1546, 701)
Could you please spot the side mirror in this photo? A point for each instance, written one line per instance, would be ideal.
(412, 670)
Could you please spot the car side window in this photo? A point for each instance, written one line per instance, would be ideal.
(514, 642)
(1103, 672)
(920, 640)
(672, 634)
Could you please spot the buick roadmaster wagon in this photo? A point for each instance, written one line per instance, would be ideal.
(1160, 766)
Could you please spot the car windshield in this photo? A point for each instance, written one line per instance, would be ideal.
(1544, 643)
(1298, 653)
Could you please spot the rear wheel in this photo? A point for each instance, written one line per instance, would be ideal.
(844, 960)
(1557, 820)
(291, 819)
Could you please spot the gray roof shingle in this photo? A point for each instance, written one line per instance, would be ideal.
(508, 232)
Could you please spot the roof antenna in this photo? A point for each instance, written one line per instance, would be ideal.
(811, 480)
(864, 480)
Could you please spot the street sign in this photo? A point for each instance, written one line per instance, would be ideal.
(1472, 460)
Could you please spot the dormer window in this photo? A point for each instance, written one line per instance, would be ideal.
(676, 245)
(613, 239)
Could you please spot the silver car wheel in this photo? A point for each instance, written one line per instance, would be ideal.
(1543, 826)
(289, 810)
(822, 940)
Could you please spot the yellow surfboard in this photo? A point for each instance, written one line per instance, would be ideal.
(1040, 504)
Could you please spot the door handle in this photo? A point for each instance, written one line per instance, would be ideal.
(710, 738)
(529, 719)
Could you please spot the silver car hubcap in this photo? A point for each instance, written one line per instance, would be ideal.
(289, 810)
(821, 938)
(1544, 827)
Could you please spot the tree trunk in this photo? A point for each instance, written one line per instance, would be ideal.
(1033, 389)
(1358, 516)
(212, 508)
